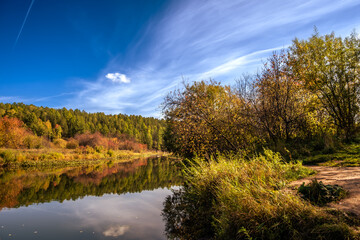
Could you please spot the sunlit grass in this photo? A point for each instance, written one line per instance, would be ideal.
(346, 156)
(248, 199)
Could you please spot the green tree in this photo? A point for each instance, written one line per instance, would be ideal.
(329, 66)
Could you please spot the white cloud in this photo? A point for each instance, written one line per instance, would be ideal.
(117, 77)
(116, 231)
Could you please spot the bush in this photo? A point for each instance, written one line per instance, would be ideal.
(92, 140)
(113, 143)
(99, 149)
(32, 141)
(89, 150)
(132, 146)
(7, 157)
(72, 144)
(244, 199)
(60, 143)
(320, 194)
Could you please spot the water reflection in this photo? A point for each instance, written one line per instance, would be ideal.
(129, 206)
(22, 187)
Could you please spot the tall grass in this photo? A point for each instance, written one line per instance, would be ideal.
(246, 199)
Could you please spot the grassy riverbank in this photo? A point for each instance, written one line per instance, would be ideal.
(248, 199)
(24, 158)
(346, 155)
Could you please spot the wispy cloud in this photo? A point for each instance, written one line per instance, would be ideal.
(11, 99)
(205, 39)
(23, 24)
(239, 63)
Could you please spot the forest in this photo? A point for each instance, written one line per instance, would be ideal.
(29, 126)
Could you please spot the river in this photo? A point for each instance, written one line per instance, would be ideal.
(106, 201)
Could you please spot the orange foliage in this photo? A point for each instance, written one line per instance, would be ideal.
(113, 143)
(12, 133)
(92, 139)
(96, 139)
(131, 145)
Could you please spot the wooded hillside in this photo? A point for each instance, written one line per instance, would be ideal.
(67, 123)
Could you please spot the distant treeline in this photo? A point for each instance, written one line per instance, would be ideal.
(65, 123)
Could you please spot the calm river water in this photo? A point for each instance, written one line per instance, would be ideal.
(111, 201)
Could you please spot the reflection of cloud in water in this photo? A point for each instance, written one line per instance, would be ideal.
(116, 231)
(140, 211)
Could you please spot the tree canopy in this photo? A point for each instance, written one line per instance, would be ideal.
(307, 93)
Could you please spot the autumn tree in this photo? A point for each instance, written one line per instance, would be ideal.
(203, 119)
(329, 67)
(12, 132)
(280, 102)
(57, 131)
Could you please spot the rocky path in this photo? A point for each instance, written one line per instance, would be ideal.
(347, 177)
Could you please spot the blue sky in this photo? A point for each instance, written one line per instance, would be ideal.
(118, 56)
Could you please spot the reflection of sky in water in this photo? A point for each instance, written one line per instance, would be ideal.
(127, 216)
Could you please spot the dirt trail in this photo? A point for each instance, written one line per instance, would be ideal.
(347, 177)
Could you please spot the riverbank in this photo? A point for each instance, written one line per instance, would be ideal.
(249, 199)
(49, 157)
(346, 177)
(346, 155)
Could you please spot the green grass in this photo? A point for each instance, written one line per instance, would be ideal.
(345, 156)
(247, 199)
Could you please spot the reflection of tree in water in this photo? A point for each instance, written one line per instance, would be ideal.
(188, 216)
(37, 187)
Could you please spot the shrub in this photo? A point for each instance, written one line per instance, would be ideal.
(72, 144)
(56, 156)
(92, 140)
(89, 150)
(32, 141)
(80, 150)
(7, 157)
(318, 193)
(60, 143)
(132, 146)
(113, 143)
(99, 149)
